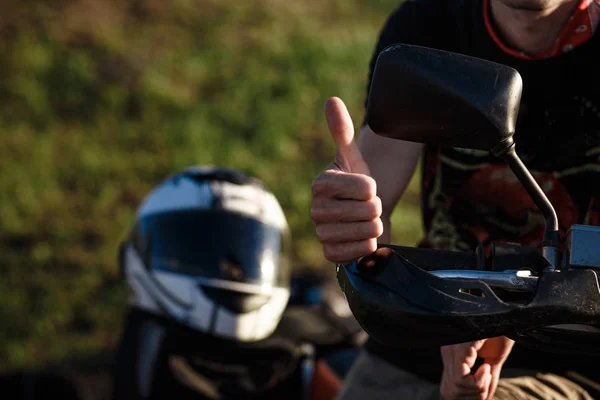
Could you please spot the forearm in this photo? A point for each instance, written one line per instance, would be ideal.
(392, 164)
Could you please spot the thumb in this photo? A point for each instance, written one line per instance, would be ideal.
(483, 379)
(483, 375)
(348, 156)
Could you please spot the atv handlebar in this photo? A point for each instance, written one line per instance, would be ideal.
(414, 297)
(417, 297)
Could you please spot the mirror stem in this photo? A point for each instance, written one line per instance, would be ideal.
(551, 240)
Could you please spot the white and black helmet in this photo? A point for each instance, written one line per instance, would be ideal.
(207, 251)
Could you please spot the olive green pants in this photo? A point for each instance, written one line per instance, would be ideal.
(372, 378)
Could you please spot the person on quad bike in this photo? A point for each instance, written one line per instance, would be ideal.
(469, 197)
(214, 311)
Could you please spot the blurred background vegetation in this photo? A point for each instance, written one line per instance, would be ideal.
(101, 100)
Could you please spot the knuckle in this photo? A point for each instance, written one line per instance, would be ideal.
(378, 227)
(370, 209)
(369, 229)
(370, 246)
(324, 211)
(314, 214)
(369, 186)
(321, 232)
(317, 217)
(318, 185)
(317, 212)
(375, 228)
(321, 184)
(374, 207)
(331, 253)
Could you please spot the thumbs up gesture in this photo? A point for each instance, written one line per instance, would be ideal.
(345, 208)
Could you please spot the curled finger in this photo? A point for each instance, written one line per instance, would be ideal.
(349, 251)
(342, 232)
(343, 185)
(328, 210)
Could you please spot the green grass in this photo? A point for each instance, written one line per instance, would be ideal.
(100, 100)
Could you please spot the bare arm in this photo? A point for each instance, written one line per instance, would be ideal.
(392, 164)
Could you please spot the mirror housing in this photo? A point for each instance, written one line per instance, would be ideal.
(442, 98)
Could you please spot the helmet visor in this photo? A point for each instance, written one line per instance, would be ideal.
(213, 244)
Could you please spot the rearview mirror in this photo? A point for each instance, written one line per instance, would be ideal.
(441, 98)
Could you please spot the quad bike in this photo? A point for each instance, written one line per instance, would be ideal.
(405, 296)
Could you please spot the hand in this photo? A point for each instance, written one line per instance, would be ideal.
(457, 380)
(345, 208)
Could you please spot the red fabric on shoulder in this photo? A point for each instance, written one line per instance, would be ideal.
(580, 28)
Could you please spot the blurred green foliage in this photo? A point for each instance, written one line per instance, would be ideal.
(100, 100)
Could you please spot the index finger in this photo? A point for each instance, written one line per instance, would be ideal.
(344, 186)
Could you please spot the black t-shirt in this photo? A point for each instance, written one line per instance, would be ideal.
(469, 197)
